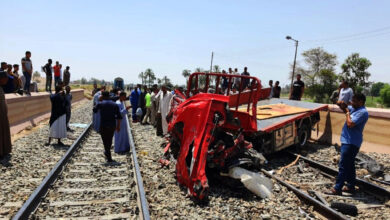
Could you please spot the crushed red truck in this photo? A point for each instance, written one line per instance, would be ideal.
(214, 132)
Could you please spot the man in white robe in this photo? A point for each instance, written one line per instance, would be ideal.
(164, 98)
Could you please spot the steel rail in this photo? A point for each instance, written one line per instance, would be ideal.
(35, 198)
(369, 187)
(323, 209)
(140, 186)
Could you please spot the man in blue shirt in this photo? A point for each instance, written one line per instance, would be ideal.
(351, 140)
(134, 97)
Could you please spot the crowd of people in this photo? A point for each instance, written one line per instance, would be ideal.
(13, 82)
(21, 83)
(149, 106)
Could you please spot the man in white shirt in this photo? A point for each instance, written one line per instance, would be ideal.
(345, 95)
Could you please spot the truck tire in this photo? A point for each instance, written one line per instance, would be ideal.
(304, 134)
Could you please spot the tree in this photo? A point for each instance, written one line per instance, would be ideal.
(316, 59)
(216, 69)
(354, 70)
(321, 92)
(198, 70)
(149, 77)
(166, 80)
(83, 81)
(142, 76)
(376, 88)
(385, 95)
(318, 73)
(159, 81)
(186, 73)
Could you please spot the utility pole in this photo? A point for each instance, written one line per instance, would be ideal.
(295, 60)
(211, 65)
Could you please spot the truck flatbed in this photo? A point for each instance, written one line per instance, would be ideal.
(269, 124)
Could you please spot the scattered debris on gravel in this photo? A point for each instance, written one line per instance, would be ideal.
(167, 200)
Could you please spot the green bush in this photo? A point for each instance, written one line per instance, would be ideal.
(385, 95)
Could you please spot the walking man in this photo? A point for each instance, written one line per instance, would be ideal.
(296, 92)
(49, 75)
(110, 121)
(122, 144)
(351, 139)
(27, 69)
(66, 76)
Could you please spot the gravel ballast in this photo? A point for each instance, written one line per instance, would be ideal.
(31, 161)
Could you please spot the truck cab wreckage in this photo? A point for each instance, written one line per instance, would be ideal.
(223, 125)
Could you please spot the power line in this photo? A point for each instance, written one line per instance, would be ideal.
(345, 37)
(355, 38)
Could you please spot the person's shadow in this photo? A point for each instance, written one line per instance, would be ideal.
(6, 161)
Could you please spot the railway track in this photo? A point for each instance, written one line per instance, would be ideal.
(83, 186)
(308, 179)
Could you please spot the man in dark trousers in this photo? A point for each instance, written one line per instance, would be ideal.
(110, 118)
(351, 138)
(49, 75)
(142, 102)
(296, 92)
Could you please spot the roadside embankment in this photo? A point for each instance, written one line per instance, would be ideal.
(376, 135)
(24, 111)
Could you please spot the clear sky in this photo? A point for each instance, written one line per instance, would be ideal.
(106, 39)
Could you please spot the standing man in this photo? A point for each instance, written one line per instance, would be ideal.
(277, 90)
(96, 115)
(296, 92)
(270, 83)
(95, 89)
(345, 95)
(5, 134)
(142, 102)
(237, 80)
(165, 99)
(154, 105)
(246, 81)
(68, 106)
(58, 116)
(110, 121)
(134, 96)
(57, 73)
(121, 144)
(49, 75)
(351, 139)
(66, 76)
(27, 69)
(148, 104)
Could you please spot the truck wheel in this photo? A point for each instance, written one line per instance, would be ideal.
(304, 134)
